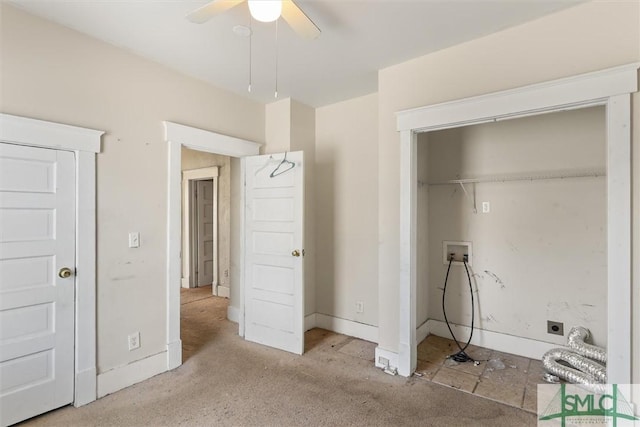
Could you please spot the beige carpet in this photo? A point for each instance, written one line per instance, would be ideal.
(230, 382)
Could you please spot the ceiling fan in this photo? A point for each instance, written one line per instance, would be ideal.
(261, 10)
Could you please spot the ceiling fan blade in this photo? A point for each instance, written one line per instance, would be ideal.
(209, 10)
(297, 19)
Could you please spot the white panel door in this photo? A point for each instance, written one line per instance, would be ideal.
(37, 239)
(204, 232)
(274, 267)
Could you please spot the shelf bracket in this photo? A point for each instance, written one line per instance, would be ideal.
(472, 199)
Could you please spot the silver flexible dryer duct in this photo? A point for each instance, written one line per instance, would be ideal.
(576, 340)
(589, 373)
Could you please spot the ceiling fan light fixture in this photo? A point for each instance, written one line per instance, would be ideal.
(265, 10)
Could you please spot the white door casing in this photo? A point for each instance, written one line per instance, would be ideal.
(37, 239)
(274, 252)
(178, 136)
(205, 233)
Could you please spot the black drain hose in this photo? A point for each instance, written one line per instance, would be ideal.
(461, 356)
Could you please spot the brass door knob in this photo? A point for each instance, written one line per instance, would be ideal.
(65, 273)
(295, 252)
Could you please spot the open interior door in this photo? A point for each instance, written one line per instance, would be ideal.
(205, 232)
(274, 251)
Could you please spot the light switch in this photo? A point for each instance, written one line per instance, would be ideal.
(134, 239)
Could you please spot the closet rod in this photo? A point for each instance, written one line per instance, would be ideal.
(577, 174)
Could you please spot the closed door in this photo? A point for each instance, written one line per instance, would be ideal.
(274, 266)
(205, 232)
(37, 243)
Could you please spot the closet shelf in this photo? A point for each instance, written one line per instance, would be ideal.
(591, 173)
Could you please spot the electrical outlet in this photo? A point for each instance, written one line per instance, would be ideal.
(555, 328)
(226, 273)
(486, 207)
(359, 307)
(134, 341)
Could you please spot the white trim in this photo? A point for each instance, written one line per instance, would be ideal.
(40, 133)
(512, 344)
(133, 373)
(609, 88)
(233, 314)
(243, 168)
(85, 143)
(310, 322)
(555, 95)
(422, 332)
(407, 354)
(619, 239)
(85, 387)
(197, 175)
(210, 142)
(221, 291)
(177, 136)
(347, 327)
(86, 341)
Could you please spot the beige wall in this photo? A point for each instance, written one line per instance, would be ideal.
(347, 203)
(277, 127)
(303, 138)
(56, 74)
(192, 159)
(540, 253)
(290, 126)
(584, 38)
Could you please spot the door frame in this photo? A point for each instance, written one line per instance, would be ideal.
(610, 88)
(85, 144)
(189, 177)
(177, 136)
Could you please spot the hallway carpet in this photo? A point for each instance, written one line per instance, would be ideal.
(226, 381)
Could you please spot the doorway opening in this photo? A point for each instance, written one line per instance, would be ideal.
(180, 138)
(206, 230)
(206, 220)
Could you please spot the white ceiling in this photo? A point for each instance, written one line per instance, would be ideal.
(358, 38)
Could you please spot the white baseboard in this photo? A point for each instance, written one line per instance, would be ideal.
(386, 359)
(310, 322)
(85, 389)
(346, 327)
(133, 373)
(330, 323)
(233, 314)
(223, 291)
(520, 346)
(174, 354)
(422, 332)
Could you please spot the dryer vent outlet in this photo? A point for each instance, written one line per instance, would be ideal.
(555, 328)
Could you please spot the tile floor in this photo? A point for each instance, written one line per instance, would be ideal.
(502, 377)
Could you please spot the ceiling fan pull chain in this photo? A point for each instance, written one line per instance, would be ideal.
(276, 94)
(250, 40)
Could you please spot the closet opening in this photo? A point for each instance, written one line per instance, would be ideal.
(526, 200)
(609, 89)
